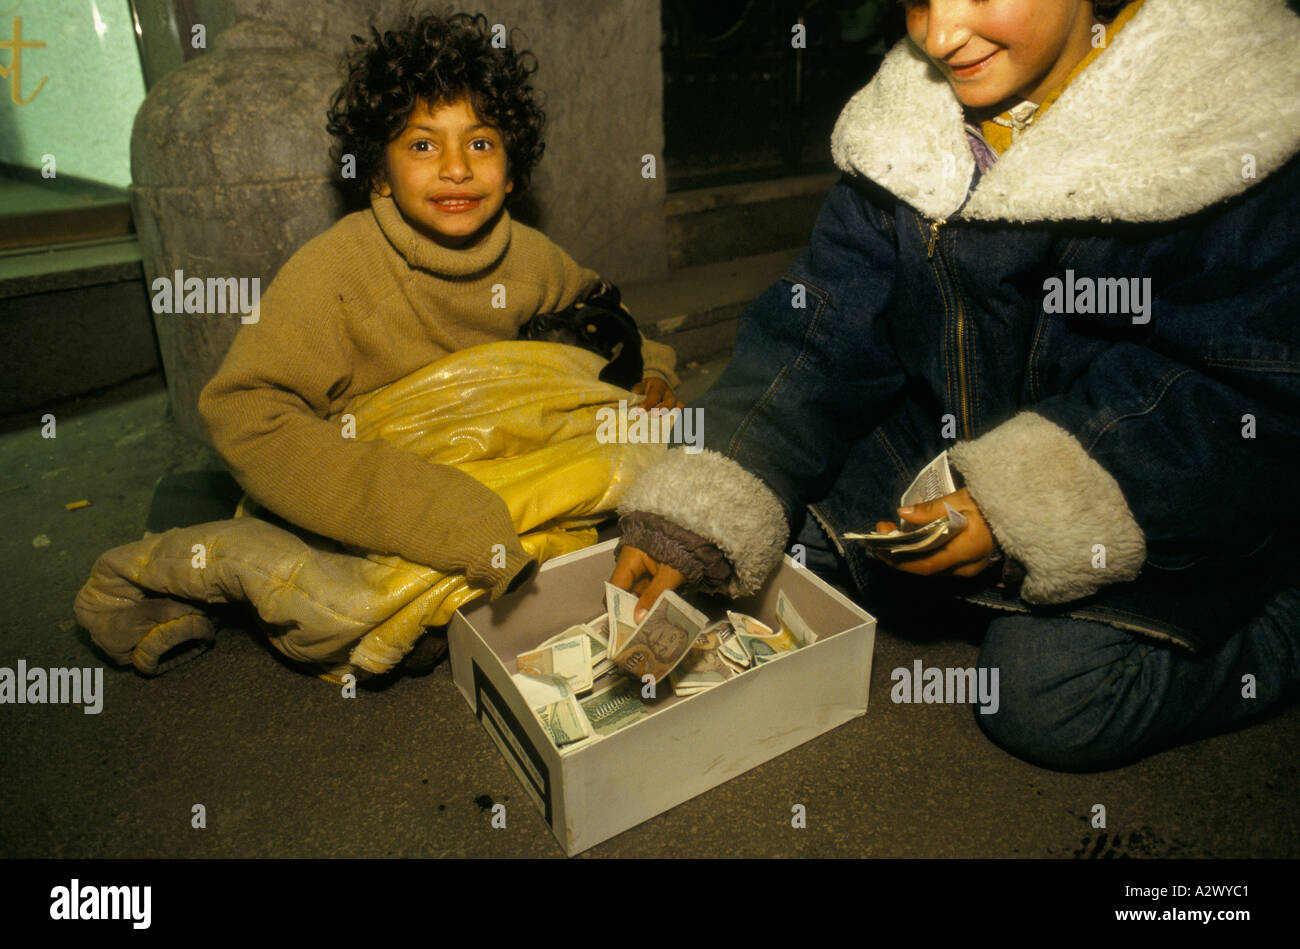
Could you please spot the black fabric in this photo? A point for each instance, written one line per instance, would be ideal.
(600, 325)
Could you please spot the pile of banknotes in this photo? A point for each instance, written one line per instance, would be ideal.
(595, 678)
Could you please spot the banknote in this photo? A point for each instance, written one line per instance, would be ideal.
(598, 626)
(552, 700)
(596, 640)
(540, 690)
(564, 721)
(621, 608)
(662, 640)
(600, 661)
(792, 622)
(759, 640)
(565, 634)
(733, 650)
(915, 539)
(568, 656)
(704, 665)
(934, 481)
(615, 706)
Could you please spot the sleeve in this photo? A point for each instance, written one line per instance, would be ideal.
(1169, 450)
(660, 360)
(698, 561)
(812, 370)
(266, 410)
(1053, 510)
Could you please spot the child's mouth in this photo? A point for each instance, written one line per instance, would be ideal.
(972, 69)
(456, 205)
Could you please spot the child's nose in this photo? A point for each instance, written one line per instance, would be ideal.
(455, 165)
(947, 27)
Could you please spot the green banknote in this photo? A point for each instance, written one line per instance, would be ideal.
(615, 707)
(564, 722)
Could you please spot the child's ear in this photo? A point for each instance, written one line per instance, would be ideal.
(381, 187)
(510, 185)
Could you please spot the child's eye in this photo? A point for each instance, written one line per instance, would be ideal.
(422, 145)
(482, 144)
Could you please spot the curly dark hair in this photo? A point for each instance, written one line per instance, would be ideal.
(438, 59)
(1105, 9)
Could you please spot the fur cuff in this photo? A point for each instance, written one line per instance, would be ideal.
(1051, 507)
(711, 495)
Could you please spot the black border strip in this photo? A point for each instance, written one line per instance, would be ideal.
(483, 685)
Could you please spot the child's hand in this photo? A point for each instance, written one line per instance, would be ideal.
(640, 573)
(967, 554)
(658, 395)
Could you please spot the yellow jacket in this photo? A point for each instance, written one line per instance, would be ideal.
(520, 417)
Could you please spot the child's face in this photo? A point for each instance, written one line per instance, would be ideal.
(447, 172)
(994, 50)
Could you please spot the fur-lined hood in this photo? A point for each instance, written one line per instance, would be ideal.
(1230, 68)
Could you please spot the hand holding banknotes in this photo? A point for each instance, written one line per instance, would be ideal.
(640, 573)
(968, 553)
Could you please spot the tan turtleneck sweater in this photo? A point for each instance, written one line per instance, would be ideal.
(362, 305)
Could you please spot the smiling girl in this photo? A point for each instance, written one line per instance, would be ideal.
(441, 128)
(1127, 478)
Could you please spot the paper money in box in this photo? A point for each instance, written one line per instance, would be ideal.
(650, 751)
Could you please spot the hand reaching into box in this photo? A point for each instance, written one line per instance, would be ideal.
(640, 573)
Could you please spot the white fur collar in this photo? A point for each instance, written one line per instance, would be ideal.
(1154, 129)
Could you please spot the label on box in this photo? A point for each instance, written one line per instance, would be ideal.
(518, 751)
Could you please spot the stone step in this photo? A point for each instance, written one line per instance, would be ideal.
(98, 290)
(74, 318)
(710, 225)
(38, 211)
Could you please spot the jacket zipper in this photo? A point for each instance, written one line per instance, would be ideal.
(962, 381)
(931, 246)
(934, 237)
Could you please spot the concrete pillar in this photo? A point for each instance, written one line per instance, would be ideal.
(231, 170)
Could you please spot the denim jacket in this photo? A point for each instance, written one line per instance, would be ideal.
(1103, 330)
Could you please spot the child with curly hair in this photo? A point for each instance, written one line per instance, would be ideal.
(444, 128)
(1066, 252)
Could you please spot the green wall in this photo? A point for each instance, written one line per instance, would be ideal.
(92, 86)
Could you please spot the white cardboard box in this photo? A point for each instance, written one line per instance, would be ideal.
(691, 743)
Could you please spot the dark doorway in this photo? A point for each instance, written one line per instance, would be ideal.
(747, 96)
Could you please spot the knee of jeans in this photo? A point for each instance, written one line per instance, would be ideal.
(1043, 715)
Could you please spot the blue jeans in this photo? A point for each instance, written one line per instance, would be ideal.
(1076, 695)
